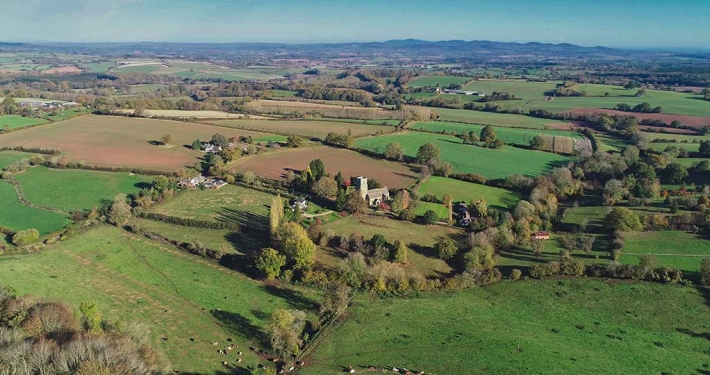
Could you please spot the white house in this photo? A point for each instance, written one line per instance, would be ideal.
(210, 148)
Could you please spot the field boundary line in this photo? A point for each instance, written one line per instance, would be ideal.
(23, 200)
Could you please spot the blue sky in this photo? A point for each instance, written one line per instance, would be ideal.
(615, 23)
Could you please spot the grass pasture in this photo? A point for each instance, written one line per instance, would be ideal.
(521, 89)
(121, 141)
(496, 119)
(471, 159)
(176, 294)
(275, 165)
(442, 81)
(71, 189)
(571, 326)
(9, 157)
(304, 128)
(17, 216)
(507, 135)
(186, 114)
(16, 121)
(674, 249)
(290, 108)
(228, 204)
(465, 191)
(215, 239)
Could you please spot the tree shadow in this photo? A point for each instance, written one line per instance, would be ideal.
(241, 326)
(244, 219)
(426, 251)
(294, 298)
(260, 314)
(143, 185)
(691, 333)
(155, 143)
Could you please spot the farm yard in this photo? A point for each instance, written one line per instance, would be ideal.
(442, 81)
(487, 162)
(121, 142)
(75, 190)
(305, 128)
(177, 294)
(577, 324)
(275, 165)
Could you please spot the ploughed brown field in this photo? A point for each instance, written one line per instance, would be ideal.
(109, 141)
(693, 121)
(275, 165)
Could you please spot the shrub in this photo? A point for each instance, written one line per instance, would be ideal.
(430, 217)
(516, 274)
(25, 237)
(446, 248)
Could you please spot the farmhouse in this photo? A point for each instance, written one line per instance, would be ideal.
(463, 214)
(462, 92)
(373, 197)
(300, 203)
(210, 148)
(206, 182)
(541, 236)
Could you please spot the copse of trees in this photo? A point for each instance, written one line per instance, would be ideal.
(92, 346)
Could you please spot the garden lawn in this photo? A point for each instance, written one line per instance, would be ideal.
(465, 191)
(16, 121)
(673, 249)
(496, 119)
(17, 216)
(565, 326)
(73, 189)
(507, 135)
(490, 163)
(178, 295)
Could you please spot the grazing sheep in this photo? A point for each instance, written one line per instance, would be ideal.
(239, 353)
(300, 363)
(224, 363)
(215, 343)
(229, 347)
(229, 339)
(164, 339)
(239, 360)
(192, 339)
(220, 351)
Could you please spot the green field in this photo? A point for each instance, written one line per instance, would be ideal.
(465, 191)
(566, 326)
(490, 163)
(9, 157)
(496, 119)
(592, 215)
(674, 249)
(437, 80)
(176, 294)
(533, 95)
(233, 242)
(17, 216)
(507, 135)
(16, 121)
(229, 204)
(70, 190)
(521, 89)
(420, 208)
